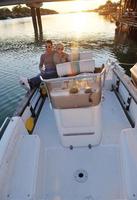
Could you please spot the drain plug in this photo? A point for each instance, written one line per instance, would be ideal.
(81, 175)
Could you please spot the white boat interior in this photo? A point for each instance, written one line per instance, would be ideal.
(77, 143)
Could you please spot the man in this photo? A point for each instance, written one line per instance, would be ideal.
(46, 66)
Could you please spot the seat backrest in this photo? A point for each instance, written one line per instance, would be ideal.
(75, 67)
(63, 69)
(87, 65)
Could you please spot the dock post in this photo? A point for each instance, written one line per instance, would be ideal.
(36, 20)
(39, 23)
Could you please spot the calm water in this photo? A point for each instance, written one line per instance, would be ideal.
(19, 53)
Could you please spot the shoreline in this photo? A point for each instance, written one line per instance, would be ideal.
(49, 13)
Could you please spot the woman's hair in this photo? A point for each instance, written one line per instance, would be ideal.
(60, 45)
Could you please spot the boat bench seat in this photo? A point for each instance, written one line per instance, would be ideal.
(129, 161)
(23, 177)
(75, 67)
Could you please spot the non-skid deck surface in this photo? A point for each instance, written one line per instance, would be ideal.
(113, 119)
(81, 173)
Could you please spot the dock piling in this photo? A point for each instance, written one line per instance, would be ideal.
(39, 23)
(36, 20)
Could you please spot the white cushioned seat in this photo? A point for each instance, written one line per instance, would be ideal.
(63, 69)
(75, 67)
(87, 65)
(23, 180)
(129, 161)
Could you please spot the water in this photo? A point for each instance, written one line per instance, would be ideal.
(19, 53)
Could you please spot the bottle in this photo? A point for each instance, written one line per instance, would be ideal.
(43, 89)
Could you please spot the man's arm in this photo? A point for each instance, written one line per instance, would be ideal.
(41, 63)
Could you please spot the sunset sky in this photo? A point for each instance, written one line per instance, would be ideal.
(77, 5)
(71, 6)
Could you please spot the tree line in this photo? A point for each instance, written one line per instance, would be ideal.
(109, 6)
(21, 11)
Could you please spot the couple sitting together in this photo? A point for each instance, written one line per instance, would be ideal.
(47, 65)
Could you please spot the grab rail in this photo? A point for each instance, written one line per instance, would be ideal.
(125, 104)
(122, 81)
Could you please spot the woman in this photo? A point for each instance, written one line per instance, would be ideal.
(60, 56)
(47, 65)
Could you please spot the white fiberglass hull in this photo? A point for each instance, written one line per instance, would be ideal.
(40, 167)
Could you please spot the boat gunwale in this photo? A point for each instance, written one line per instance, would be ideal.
(131, 93)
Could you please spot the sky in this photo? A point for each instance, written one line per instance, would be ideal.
(72, 6)
(76, 5)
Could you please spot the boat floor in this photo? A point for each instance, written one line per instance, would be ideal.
(113, 121)
(82, 173)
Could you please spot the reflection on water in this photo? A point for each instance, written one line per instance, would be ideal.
(20, 53)
(125, 50)
(67, 27)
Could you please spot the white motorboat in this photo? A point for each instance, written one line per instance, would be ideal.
(77, 143)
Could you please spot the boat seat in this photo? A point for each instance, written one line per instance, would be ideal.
(87, 65)
(129, 161)
(23, 171)
(133, 71)
(75, 67)
(77, 108)
(62, 99)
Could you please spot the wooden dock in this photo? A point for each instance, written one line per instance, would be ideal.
(128, 21)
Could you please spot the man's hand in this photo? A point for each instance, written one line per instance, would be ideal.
(42, 68)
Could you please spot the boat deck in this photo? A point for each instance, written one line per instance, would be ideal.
(81, 173)
(113, 121)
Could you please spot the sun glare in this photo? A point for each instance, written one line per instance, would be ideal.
(72, 6)
(78, 6)
(79, 24)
